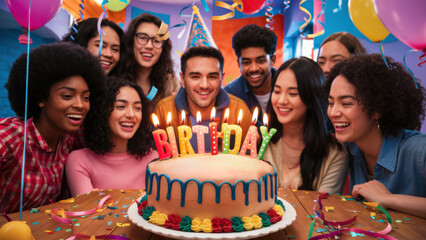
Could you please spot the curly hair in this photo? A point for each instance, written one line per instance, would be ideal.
(254, 36)
(82, 32)
(391, 93)
(96, 126)
(49, 64)
(352, 44)
(162, 69)
(316, 134)
(201, 51)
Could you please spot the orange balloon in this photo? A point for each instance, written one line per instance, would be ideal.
(365, 18)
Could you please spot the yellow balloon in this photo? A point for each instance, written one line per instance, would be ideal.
(16, 230)
(116, 5)
(365, 18)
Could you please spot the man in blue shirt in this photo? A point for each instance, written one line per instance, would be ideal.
(255, 48)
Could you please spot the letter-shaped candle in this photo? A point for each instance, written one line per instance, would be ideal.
(238, 133)
(172, 138)
(266, 137)
(225, 133)
(213, 133)
(160, 138)
(200, 130)
(185, 134)
(250, 142)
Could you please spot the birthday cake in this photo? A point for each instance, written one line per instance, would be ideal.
(211, 193)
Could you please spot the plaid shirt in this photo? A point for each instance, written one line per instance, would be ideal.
(43, 167)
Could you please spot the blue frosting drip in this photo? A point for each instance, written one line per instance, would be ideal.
(267, 179)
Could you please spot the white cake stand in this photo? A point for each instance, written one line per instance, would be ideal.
(289, 217)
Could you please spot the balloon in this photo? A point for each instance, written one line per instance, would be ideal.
(16, 230)
(252, 6)
(364, 17)
(405, 20)
(41, 11)
(116, 5)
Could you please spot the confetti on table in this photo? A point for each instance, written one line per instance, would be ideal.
(398, 221)
(95, 217)
(373, 214)
(76, 224)
(36, 223)
(75, 220)
(353, 234)
(109, 223)
(329, 209)
(381, 220)
(112, 208)
(407, 219)
(70, 200)
(34, 210)
(320, 230)
(116, 215)
(294, 190)
(75, 206)
(68, 230)
(59, 228)
(101, 217)
(123, 224)
(371, 204)
(125, 206)
(344, 199)
(97, 201)
(310, 216)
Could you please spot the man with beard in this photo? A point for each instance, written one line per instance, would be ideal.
(255, 48)
(201, 80)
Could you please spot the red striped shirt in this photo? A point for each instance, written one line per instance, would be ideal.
(43, 167)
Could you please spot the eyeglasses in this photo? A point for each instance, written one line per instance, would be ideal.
(143, 39)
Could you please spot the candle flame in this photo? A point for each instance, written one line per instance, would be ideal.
(198, 117)
(265, 120)
(169, 119)
(254, 118)
(213, 114)
(155, 120)
(225, 118)
(182, 117)
(240, 116)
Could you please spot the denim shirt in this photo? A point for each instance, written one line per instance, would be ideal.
(401, 164)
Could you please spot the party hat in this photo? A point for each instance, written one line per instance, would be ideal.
(199, 34)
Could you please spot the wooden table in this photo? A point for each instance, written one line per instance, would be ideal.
(109, 220)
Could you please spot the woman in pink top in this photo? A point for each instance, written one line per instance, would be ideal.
(119, 142)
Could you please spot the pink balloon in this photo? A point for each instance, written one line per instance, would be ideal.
(405, 20)
(252, 6)
(41, 11)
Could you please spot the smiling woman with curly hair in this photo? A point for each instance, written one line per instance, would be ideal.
(119, 142)
(374, 110)
(64, 81)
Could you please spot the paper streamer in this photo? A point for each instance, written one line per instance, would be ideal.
(100, 31)
(237, 5)
(179, 36)
(406, 66)
(383, 55)
(319, 22)
(269, 14)
(333, 225)
(286, 6)
(307, 12)
(152, 93)
(420, 58)
(163, 33)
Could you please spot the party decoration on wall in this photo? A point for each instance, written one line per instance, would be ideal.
(307, 21)
(317, 19)
(365, 18)
(81, 5)
(237, 5)
(286, 6)
(116, 5)
(16, 230)
(199, 34)
(269, 13)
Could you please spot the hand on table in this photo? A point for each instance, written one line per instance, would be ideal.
(372, 191)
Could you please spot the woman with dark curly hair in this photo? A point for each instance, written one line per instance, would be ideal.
(374, 110)
(302, 151)
(64, 80)
(337, 47)
(85, 33)
(119, 142)
(147, 58)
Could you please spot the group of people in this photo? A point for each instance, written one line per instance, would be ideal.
(347, 110)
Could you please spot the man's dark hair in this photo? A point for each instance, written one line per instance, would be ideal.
(201, 51)
(254, 36)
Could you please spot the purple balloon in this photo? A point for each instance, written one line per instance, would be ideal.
(41, 11)
(405, 19)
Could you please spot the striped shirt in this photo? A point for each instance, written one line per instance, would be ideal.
(43, 166)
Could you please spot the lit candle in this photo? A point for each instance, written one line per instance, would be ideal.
(160, 138)
(200, 130)
(171, 133)
(250, 142)
(266, 137)
(213, 133)
(238, 133)
(185, 134)
(225, 133)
